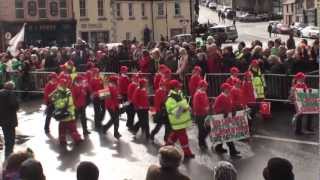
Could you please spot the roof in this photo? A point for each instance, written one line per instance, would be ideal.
(289, 2)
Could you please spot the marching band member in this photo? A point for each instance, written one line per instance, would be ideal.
(234, 75)
(200, 109)
(48, 89)
(194, 80)
(131, 111)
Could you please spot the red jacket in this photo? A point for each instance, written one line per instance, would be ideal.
(131, 89)
(193, 83)
(156, 81)
(300, 86)
(140, 98)
(95, 84)
(112, 101)
(236, 98)
(159, 98)
(222, 104)
(48, 89)
(123, 84)
(200, 103)
(144, 64)
(231, 80)
(247, 92)
(79, 94)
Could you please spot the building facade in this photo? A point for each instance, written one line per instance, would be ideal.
(118, 20)
(48, 22)
(254, 6)
(289, 11)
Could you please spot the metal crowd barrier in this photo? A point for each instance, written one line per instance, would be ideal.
(277, 85)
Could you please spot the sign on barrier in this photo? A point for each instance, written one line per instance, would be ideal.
(307, 102)
(230, 128)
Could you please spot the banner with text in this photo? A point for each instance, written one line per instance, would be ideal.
(230, 128)
(307, 102)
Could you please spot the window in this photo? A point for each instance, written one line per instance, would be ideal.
(32, 8)
(291, 8)
(118, 10)
(19, 9)
(100, 8)
(160, 9)
(143, 13)
(177, 9)
(63, 8)
(53, 8)
(287, 7)
(42, 9)
(130, 9)
(128, 35)
(83, 10)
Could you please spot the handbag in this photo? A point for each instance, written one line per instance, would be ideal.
(62, 113)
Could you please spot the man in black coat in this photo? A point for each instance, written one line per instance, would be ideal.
(8, 120)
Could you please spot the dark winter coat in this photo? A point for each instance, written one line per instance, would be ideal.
(8, 109)
(158, 173)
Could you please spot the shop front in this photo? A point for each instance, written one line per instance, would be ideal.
(46, 33)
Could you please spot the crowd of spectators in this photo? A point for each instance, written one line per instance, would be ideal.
(23, 166)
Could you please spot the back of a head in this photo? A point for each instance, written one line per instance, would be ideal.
(170, 157)
(278, 169)
(31, 170)
(224, 171)
(87, 171)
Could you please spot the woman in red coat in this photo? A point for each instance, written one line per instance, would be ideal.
(112, 105)
(144, 62)
(194, 80)
(200, 109)
(214, 62)
(223, 105)
(141, 105)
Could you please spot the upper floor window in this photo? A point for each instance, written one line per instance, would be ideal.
(160, 9)
(83, 8)
(63, 8)
(177, 9)
(118, 9)
(143, 10)
(19, 9)
(53, 8)
(32, 8)
(100, 8)
(42, 5)
(130, 9)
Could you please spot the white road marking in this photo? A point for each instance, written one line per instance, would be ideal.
(286, 140)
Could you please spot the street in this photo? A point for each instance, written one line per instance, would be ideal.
(129, 158)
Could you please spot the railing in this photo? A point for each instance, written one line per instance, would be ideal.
(277, 85)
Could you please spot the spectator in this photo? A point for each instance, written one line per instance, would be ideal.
(224, 171)
(170, 60)
(144, 62)
(13, 164)
(87, 171)
(276, 65)
(299, 64)
(228, 59)
(202, 57)
(182, 63)
(31, 170)
(8, 121)
(275, 49)
(170, 159)
(288, 63)
(155, 60)
(214, 61)
(291, 44)
(278, 169)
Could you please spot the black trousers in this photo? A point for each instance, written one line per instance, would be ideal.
(308, 124)
(9, 134)
(49, 115)
(232, 148)
(114, 120)
(99, 112)
(143, 122)
(81, 114)
(130, 115)
(203, 131)
(161, 119)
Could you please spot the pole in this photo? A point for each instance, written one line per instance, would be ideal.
(167, 20)
(152, 20)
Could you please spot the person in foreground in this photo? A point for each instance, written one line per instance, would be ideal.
(87, 171)
(170, 159)
(224, 171)
(278, 169)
